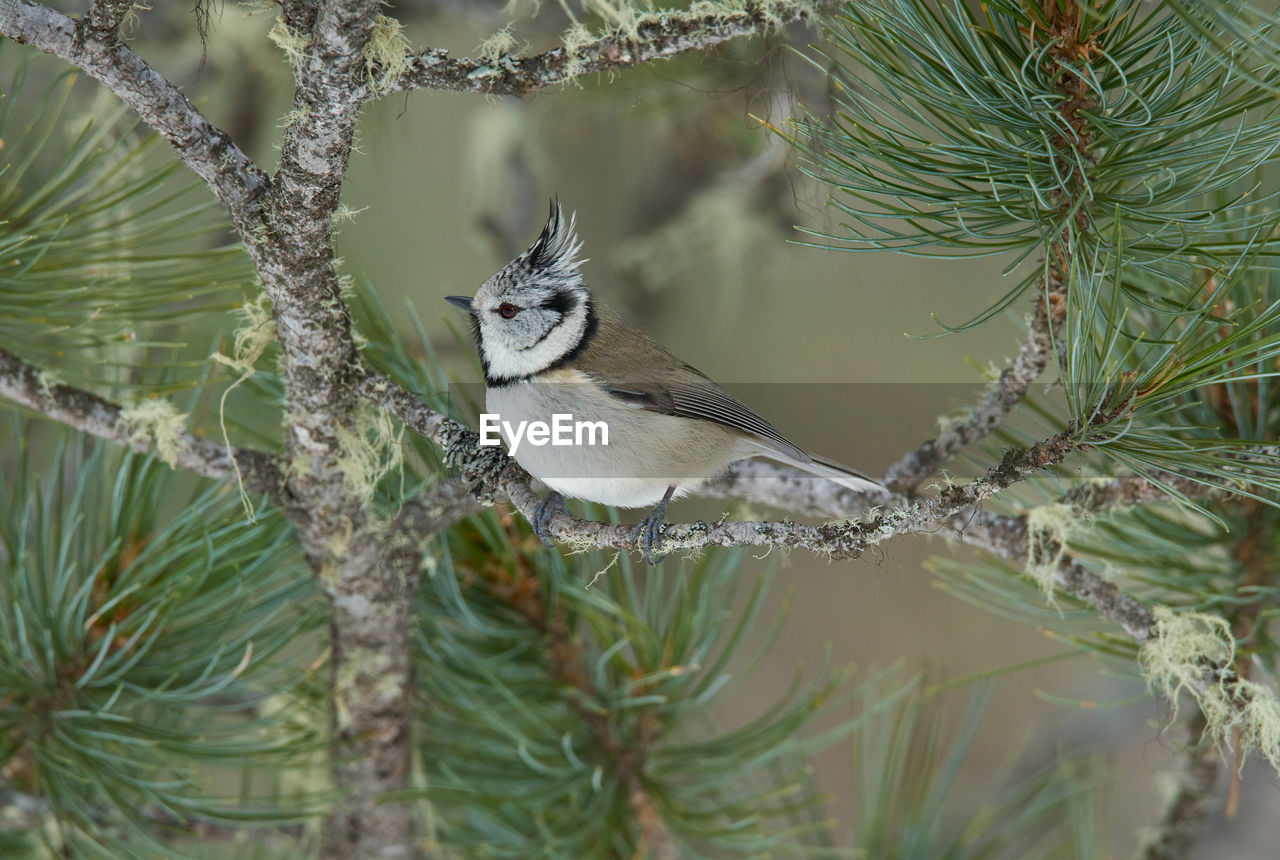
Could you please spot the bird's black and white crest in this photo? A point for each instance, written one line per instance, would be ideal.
(553, 257)
(535, 313)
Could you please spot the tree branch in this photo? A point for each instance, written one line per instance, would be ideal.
(369, 579)
(204, 148)
(1007, 392)
(25, 384)
(657, 36)
(492, 472)
(1134, 490)
(1006, 536)
(287, 228)
(102, 21)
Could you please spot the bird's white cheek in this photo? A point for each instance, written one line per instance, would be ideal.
(508, 362)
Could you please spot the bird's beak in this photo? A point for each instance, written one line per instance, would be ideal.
(463, 302)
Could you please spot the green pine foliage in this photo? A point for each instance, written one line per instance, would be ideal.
(162, 657)
(106, 249)
(1122, 160)
(142, 628)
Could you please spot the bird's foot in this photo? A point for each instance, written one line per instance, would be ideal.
(648, 534)
(541, 522)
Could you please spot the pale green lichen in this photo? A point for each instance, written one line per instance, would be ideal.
(621, 17)
(1259, 720)
(386, 54)
(292, 44)
(336, 544)
(602, 571)
(133, 17)
(48, 379)
(369, 451)
(1050, 529)
(575, 39)
(294, 116)
(346, 285)
(342, 213)
(1181, 645)
(255, 334)
(498, 45)
(155, 421)
(1192, 652)
(357, 663)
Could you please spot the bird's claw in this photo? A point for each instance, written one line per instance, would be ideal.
(541, 522)
(647, 536)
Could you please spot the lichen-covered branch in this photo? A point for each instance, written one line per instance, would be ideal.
(1135, 490)
(369, 579)
(104, 18)
(25, 384)
(1045, 338)
(286, 226)
(656, 36)
(1006, 393)
(204, 148)
(492, 472)
(1006, 536)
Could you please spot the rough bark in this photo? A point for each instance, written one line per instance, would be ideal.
(657, 36)
(23, 383)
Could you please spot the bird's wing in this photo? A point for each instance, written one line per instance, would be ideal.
(669, 386)
(685, 392)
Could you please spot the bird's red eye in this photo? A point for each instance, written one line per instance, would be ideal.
(507, 311)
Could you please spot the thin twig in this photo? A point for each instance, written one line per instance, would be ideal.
(1007, 392)
(203, 147)
(492, 472)
(1134, 490)
(656, 36)
(23, 383)
(1006, 536)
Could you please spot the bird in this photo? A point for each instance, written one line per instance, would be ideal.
(549, 347)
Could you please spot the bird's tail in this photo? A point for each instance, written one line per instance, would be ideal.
(842, 475)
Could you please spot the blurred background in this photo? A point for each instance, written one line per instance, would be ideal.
(687, 206)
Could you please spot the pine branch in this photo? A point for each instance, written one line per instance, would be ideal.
(1007, 392)
(657, 36)
(1134, 490)
(286, 226)
(25, 384)
(204, 148)
(369, 580)
(1218, 684)
(102, 21)
(1006, 536)
(626, 747)
(493, 473)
